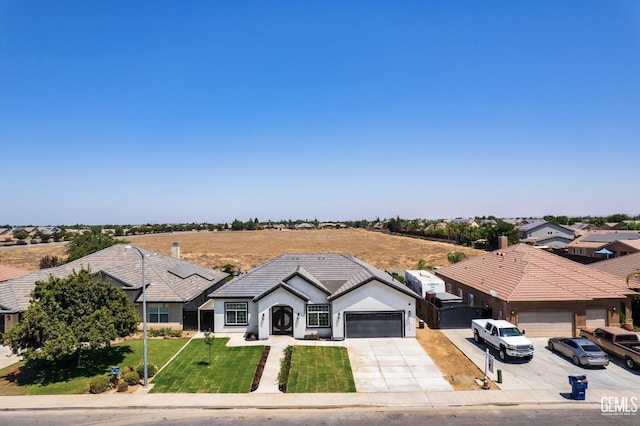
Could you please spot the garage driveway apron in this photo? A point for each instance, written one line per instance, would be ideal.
(393, 365)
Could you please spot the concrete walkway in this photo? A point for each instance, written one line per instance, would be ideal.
(7, 357)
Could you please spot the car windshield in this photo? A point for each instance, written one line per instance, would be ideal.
(508, 332)
(591, 348)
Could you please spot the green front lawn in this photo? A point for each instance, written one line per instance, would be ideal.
(44, 378)
(231, 369)
(320, 369)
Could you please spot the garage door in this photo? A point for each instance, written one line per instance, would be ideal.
(596, 318)
(546, 324)
(373, 324)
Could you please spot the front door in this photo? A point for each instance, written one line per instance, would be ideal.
(282, 320)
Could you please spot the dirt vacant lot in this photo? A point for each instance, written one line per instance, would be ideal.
(246, 249)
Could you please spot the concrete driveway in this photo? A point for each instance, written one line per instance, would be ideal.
(547, 370)
(7, 357)
(393, 365)
(378, 365)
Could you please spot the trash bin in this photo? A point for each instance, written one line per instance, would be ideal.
(420, 324)
(579, 386)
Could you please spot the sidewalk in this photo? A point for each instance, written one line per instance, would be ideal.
(423, 400)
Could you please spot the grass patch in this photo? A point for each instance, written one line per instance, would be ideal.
(46, 378)
(320, 369)
(231, 369)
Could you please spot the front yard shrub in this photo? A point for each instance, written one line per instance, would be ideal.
(151, 370)
(285, 366)
(131, 378)
(175, 333)
(122, 386)
(99, 384)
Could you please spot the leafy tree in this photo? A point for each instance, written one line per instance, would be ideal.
(118, 231)
(502, 228)
(48, 261)
(69, 315)
(237, 225)
(20, 235)
(456, 256)
(208, 340)
(89, 242)
(618, 217)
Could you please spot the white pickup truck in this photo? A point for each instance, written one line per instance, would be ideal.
(504, 336)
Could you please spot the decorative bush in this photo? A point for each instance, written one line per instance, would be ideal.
(122, 386)
(124, 370)
(151, 370)
(131, 378)
(175, 333)
(285, 366)
(99, 384)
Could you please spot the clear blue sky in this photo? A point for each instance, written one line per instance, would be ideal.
(180, 111)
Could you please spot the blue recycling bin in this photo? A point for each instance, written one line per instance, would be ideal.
(579, 385)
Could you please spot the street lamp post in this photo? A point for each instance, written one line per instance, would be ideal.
(144, 318)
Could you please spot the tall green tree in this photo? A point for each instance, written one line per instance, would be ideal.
(89, 242)
(69, 315)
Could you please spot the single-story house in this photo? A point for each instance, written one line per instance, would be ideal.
(174, 288)
(541, 292)
(327, 295)
(621, 267)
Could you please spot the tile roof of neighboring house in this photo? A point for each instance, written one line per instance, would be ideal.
(597, 239)
(621, 267)
(9, 272)
(335, 274)
(524, 273)
(169, 279)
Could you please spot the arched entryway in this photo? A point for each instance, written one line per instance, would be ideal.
(282, 320)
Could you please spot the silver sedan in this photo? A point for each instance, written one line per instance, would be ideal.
(581, 351)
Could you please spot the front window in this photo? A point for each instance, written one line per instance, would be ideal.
(317, 315)
(159, 313)
(235, 313)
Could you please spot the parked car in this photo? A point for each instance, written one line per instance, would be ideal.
(581, 351)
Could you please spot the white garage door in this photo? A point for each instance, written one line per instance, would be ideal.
(596, 318)
(546, 324)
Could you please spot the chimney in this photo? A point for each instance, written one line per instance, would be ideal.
(175, 250)
(503, 242)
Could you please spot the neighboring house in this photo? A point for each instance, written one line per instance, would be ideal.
(621, 267)
(541, 292)
(547, 234)
(423, 282)
(465, 221)
(304, 226)
(328, 295)
(618, 243)
(174, 288)
(327, 225)
(9, 272)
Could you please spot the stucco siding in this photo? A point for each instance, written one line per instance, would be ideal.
(374, 296)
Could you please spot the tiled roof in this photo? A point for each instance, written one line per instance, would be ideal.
(124, 266)
(621, 267)
(524, 273)
(335, 273)
(9, 272)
